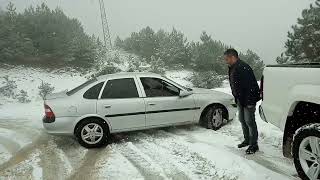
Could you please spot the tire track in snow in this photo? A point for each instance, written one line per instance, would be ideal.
(258, 158)
(72, 150)
(143, 163)
(159, 155)
(25, 152)
(87, 168)
(12, 146)
(54, 162)
(192, 164)
(26, 169)
(198, 166)
(115, 166)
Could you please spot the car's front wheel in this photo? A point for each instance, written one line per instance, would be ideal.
(306, 151)
(213, 117)
(92, 133)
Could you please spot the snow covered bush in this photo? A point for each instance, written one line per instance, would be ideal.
(137, 65)
(45, 89)
(23, 97)
(157, 66)
(107, 69)
(134, 66)
(207, 79)
(9, 88)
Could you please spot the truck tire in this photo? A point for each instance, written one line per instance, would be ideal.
(306, 151)
(213, 118)
(92, 133)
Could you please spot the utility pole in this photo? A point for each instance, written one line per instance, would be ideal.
(105, 26)
(59, 4)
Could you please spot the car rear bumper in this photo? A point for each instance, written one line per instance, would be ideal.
(262, 115)
(61, 126)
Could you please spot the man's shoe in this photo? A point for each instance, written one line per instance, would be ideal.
(243, 144)
(252, 149)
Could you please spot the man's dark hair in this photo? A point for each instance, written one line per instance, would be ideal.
(231, 52)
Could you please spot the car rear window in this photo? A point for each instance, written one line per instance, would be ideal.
(69, 93)
(93, 92)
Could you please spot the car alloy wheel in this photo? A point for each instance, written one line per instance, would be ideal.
(92, 133)
(306, 151)
(217, 118)
(309, 156)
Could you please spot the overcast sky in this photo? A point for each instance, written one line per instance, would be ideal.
(260, 25)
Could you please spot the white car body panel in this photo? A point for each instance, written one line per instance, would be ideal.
(160, 110)
(125, 107)
(284, 87)
(132, 113)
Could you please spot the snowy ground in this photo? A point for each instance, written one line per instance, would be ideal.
(187, 152)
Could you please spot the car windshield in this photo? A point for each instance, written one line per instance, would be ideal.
(78, 88)
(184, 87)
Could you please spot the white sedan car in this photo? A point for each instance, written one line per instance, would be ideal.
(132, 101)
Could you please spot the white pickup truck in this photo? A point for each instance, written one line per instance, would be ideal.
(291, 101)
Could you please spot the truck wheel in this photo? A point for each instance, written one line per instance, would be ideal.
(306, 151)
(213, 118)
(92, 133)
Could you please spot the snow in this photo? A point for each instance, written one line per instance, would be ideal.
(116, 166)
(180, 77)
(5, 155)
(187, 152)
(37, 170)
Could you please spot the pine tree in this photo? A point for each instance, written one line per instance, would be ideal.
(282, 59)
(303, 44)
(254, 61)
(172, 47)
(40, 33)
(208, 55)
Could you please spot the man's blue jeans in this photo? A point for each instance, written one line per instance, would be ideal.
(248, 123)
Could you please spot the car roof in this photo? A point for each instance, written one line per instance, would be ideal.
(128, 74)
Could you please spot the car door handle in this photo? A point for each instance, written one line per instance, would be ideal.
(151, 104)
(107, 106)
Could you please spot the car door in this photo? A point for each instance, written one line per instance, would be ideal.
(121, 104)
(164, 106)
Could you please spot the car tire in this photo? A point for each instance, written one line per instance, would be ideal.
(92, 133)
(306, 150)
(213, 117)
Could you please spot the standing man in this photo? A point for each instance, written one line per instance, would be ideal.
(245, 90)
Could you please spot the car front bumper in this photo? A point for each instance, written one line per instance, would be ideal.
(61, 126)
(232, 111)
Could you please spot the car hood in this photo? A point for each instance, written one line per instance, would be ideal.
(61, 94)
(210, 91)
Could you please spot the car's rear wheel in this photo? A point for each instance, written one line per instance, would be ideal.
(213, 118)
(92, 133)
(306, 151)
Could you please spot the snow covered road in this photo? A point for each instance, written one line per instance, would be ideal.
(187, 152)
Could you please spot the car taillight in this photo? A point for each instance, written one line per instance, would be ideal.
(261, 87)
(48, 111)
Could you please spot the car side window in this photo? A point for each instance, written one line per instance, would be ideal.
(155, 87)
(120, 88)
(93, 92)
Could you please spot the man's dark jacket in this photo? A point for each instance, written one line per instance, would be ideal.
(243, 83)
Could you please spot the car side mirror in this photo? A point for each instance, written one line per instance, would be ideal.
(184, 93)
